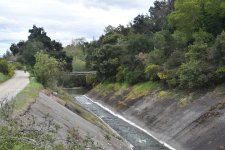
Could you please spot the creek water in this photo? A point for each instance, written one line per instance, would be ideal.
(137, 137)
(76, 91)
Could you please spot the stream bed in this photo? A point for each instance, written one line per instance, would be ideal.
(133, 134)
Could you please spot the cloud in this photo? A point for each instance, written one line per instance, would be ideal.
(64, 20)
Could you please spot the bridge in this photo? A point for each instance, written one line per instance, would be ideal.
(81, 73)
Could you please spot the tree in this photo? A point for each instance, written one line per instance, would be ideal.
(218, 51)
(106, 60)
(76, 51)
(185, 17)
(142, 24)
(38, 40)
(46, 69)
(109, 29)
(138, 43)
(175, 44)
(16, 48)
(194, 15)
(29, 49)
(53, 47)
(158, 14)
(7, 54)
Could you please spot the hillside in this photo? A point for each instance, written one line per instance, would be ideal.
(165, 72)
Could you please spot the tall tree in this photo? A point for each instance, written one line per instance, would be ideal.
(38, 40)
(158, 14)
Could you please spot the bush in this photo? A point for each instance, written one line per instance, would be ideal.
(11, 69)
(133, 77)
(91, 80)
(7, 68)
(121, 73)
(4, 68)
(46, 69)
(151, 71)
(168, 77)
(192, 74)
(175, 60)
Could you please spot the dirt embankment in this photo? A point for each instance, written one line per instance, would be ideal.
(66, 119)
(186, 123)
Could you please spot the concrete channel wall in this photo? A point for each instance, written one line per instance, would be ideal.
(199, 125)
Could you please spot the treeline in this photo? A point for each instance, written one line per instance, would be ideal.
(44, 57)
(39, 41)
(179, 43)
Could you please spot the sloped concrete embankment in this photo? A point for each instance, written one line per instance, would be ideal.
(67, 119)
(199, 125)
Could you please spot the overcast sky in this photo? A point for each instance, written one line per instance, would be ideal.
(64, 20)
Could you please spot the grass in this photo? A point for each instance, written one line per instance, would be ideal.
(126, 93)
(105, 88)
(168, 94)
(142, 89)
(26, 97)
(3, 77)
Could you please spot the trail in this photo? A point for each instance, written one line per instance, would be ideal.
(13, 86)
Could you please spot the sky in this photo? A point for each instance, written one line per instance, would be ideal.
(64, 20)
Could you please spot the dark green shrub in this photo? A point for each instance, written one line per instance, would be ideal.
(192, 74)
(4, 68)
(91, 80)
(133, 77)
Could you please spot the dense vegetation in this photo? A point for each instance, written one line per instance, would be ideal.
(37, 41)
(179, 44)
(76, 51)
(6, 70)
(46, 69)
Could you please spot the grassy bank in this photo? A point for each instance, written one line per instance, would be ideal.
(126, 91)
(27, 96)
(3, 77)
(121, 95)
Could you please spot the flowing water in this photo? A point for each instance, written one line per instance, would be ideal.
(76, 91)
(139, 138)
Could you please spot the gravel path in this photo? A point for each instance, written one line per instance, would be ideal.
(10, 88)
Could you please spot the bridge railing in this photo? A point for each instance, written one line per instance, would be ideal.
(82, 73)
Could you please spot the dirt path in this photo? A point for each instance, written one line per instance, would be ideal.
(10, 88)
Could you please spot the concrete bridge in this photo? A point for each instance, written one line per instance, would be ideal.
(81, 73)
